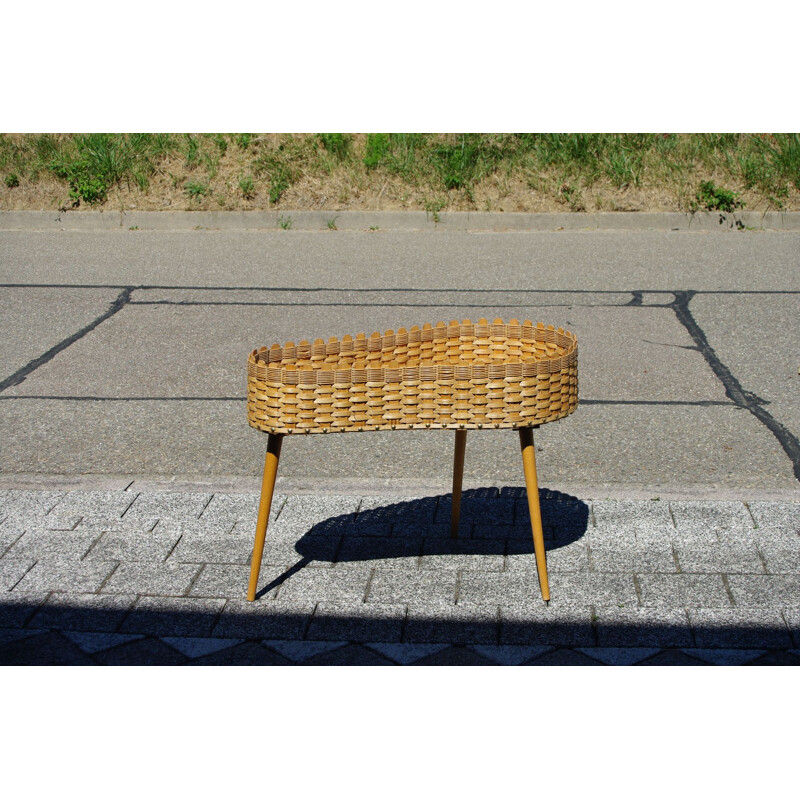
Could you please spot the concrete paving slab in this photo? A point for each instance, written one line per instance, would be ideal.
(66, 576)
(747, 628)
(443, 622)
(125, 546)
(17, 608)
(642, 627)
(35, 319)
(540, 625)
(150, 578)
(83, 612)
(155, 347)
(759, 344)
(683, 591)
(412, 587)
(348, 621)
(265, 618)
(173, 616)
(46, 545)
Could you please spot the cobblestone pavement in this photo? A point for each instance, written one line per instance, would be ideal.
(159, 577)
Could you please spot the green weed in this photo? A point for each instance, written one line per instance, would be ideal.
(196, 190)
(714, 198)
(285, 223)
(332, 224)
(337, 144)
(247, 187)
(12, 180)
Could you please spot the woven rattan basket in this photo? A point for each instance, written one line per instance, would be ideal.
(461, 375)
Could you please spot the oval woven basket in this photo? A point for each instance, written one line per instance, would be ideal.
(461, 375)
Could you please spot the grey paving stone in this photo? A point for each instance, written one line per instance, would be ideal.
(90, 642)
(724, 657)
(108, 522)
(450, 554)
(313, 510)
(266, 618)
(18, 608)
(536, 624)
(683, 591)
(562, 521)
(194, 548)
(8, 535)
(12, 570)
(781, 555)
(142, 652)
(469, 624)
(456, 656)
(412, 587)
(619, 656)
(638, 556)
(8, 635)
(573, 557)
(173, 616)
(66, 576)
(672, 658)
(83, 612)
(20, 504)
(320, 549)
(109, 505)
(776, 658)
(388, 509)
(143, 577)
(168, 505)
(46, 649)
(196, 647)
(492, 511)
(739, 627)
(642, 627)
(357, 622)
(245, 654)
(571, 588)
(503, 533)
(781, 516)
(325, 584)
(405, 653)
(508, 654)
(792, 617)
(707, 520)
(646, 520)
(299, 652)
(565, 658)
(379, 553)
(430, 530)
(128, 546)
(727, 556)
(351, 655)
(228, 509)
(227, 580)
(776, 591)
(43, 545)
(200, 527)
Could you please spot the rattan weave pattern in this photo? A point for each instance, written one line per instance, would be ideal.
(462, 375)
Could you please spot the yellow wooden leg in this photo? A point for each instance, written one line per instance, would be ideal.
(532, 486)
(458, 474)
(267, 488)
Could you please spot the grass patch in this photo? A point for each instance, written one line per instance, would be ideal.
(425, 171)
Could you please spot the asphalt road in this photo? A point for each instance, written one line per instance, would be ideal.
(123, 352)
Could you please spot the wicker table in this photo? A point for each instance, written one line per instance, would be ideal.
(461, 376)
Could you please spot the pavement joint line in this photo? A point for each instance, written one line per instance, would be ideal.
(795, 639)
(675, 558)
(193, 581)
(368, 587)
(638, 589)
(763, 560)
(728, 590)
(107, 578)
(308, 622)
(172, 550)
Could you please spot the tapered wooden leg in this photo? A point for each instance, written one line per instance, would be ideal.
(532, 487)
(267, 488)
(458, 474)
